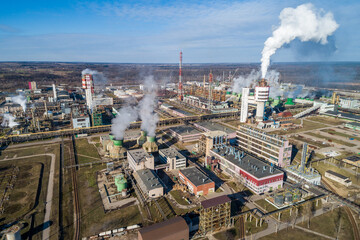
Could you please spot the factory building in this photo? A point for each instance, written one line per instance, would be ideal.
(174, 111)
(80, 119)
(214, 126)
(102, 101)
(196, 181)
(302, 172)
(10, 108)
(272, 148)
(352, 160)
(337, 177)
(149, 183)
(215, 214)
(173, 157)
(349, 103)
(185, 133)
(175, 229)
(253, 173)
(209, 139)
(139, 159)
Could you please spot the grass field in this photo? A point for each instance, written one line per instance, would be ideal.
(265, 205)
(332, 131)
(293, 234)
(28, 196)
(326, 138)
(84, 148)
(322, 167)
(177, 194)
(234, 233)
(327, 120)
(307, 126)
(329, 222)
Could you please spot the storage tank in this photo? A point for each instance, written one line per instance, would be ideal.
(279, 199)
(288, 197)
(120, 182)
(289, 101)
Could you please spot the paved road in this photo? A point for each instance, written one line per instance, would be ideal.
(50, 189)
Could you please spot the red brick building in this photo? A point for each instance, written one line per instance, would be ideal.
(196, 181)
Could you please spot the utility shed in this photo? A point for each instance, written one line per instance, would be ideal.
(215, 214)
(173, 229)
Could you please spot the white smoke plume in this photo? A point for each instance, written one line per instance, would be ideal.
(303, 22)
(20, 99)
(8, 121)
(98, 77)
(147, 106)
(245, 81)
(122, 121)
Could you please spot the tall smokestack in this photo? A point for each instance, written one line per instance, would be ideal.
(180, 93)
(210, 82)
(261, 97)
(54, 92)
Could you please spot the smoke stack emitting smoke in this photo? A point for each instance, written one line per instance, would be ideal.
(20, 99)
(122, 121)
(147, 106)
(98, 77)
(9, 121)
(145, 110)
(305, 23)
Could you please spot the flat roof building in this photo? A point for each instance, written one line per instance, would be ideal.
(185, 133)
(149, 183)
(196, 181)
(252, 172)
(173, 157)
(352, 160)
(337, 177)
(140, 159)
(272, 148)
(214, 126)
(173, 229)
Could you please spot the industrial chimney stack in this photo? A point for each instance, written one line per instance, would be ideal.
(181, 92)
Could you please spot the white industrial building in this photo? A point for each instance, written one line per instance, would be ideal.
(149, 183)
(139, 159)
(173, 157)
(337, 177)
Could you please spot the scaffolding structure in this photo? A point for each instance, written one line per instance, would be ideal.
(215, 214)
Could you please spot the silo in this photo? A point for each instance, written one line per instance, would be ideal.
(120, 182)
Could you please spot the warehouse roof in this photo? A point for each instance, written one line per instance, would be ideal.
(195, 176)
(185, 130)
(343, 115)
(169, 229)
(149, 179)
(139, 155)
(248, 163)
(214, 126)
(337, 174)
(215, 201)
(353, 158)
(171, 153)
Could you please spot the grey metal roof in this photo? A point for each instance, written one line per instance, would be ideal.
(214, 126)
(353, 158)
(149, 179)
(337, 174)
(195, 176)
(171, 153)
(185, 130)
(139, 155)
(343, 115)
(248, 163)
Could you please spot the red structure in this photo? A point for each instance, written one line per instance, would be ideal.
(87, 82)
(196, 181)
(181, 92)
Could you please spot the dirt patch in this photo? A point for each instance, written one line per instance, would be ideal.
(25, 168)
(22, 183)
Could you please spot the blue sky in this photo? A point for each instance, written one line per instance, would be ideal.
(155, 31)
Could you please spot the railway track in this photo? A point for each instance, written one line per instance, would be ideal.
(349, 213)
(75, 193)
(241, 228)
